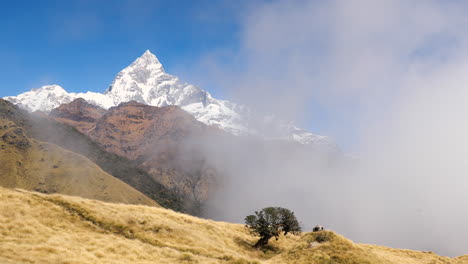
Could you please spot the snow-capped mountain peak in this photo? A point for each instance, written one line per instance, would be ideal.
(50, 88)
(148, 61)
(145, 81)
(149, 58)
(138, 75)
(45, 98)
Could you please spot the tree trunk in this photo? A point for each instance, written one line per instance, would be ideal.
(263, 241)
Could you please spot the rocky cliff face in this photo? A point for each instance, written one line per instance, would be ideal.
(157, 138)
(79, 114)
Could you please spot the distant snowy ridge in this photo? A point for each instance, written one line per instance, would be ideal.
(145, 81)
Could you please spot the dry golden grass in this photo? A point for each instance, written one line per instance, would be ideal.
(402, 256)
(40, 228)
(339, 250)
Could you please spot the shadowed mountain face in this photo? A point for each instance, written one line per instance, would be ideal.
(161, 140)
(44, 167)
(67, 137)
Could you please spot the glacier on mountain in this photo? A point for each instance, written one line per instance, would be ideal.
(145, 81)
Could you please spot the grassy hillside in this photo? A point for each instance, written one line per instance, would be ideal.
(41, 228)
(69, 138)
(334, 248)
(30, 164)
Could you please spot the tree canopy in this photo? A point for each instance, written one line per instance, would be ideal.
(271, 222)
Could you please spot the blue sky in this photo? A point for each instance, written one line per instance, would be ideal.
(81, 45)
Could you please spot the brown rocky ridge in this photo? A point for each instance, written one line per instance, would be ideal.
(78, 114)
(162, 140)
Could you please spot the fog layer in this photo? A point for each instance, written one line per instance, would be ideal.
(388, 80)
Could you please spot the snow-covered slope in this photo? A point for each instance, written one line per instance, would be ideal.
(49, 97)
(146, 81)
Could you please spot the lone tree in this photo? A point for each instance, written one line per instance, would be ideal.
(270, 222)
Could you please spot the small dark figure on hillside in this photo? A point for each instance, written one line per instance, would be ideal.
(270, 222)
(317, 228)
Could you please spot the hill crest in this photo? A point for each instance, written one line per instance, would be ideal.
(65, 229)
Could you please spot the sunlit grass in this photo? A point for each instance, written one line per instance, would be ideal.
(41, 228)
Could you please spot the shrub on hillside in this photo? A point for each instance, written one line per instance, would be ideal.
(323, 236)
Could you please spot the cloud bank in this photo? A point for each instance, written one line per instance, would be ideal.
(388, 78)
